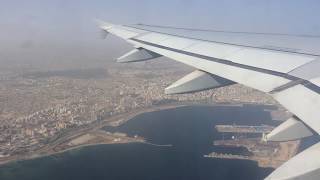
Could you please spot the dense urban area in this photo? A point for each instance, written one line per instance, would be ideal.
(37, 106)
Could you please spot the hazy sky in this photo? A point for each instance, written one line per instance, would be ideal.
(61, 26)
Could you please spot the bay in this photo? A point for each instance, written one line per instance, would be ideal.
(190, 132)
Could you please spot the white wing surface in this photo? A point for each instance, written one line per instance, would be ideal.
(285, 66)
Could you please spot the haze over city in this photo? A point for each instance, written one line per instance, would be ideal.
(57, 31)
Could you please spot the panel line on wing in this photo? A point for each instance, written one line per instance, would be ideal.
(233, 44)
(233, 32)
(227, 62)
(288, 85)
(305, 83)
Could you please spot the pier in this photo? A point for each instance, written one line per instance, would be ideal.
(267, 154)
(244, 129)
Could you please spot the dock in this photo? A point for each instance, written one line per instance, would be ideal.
(267, 154)
(244, 129)
(226, 156)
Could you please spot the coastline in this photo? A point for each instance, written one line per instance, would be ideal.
(62, 144)
(114, 121)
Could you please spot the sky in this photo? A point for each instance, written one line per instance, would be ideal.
(48, 28)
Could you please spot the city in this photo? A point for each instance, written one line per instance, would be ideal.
(38, 108)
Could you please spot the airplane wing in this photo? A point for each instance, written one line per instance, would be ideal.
(287, 67)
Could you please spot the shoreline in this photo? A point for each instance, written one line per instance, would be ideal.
(36, 156)
(115, 121)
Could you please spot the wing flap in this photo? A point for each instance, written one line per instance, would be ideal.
(259, 58)
(305, 165)
(292, 43)
(153, 37)
(272, 60)
(254, 57)
(303, 102)
(218, 51)
(307, 71)
(258, 80)
(267, 59)
(177, 43)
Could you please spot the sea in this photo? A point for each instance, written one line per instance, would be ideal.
(187, 134)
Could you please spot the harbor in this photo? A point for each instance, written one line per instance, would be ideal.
(266, 154)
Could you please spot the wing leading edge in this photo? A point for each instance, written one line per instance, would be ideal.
(289, 75)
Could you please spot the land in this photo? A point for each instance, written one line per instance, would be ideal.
(46, 110)
(90, 135)
(266, 154)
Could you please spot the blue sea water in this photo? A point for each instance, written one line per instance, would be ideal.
(190, 131)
